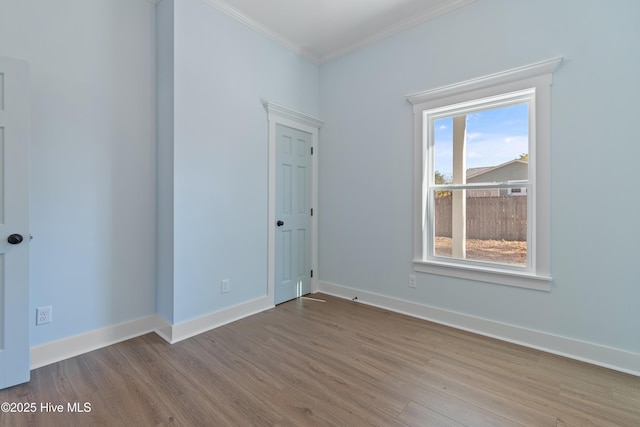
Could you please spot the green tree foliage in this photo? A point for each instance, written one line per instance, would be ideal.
(441, 180)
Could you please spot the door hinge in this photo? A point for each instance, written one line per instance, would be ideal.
(312, 151)
(311, 211)
(311, 273)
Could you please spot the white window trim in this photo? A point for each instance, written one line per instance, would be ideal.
(538, 76)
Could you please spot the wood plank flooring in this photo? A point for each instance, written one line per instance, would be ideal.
(337, 363)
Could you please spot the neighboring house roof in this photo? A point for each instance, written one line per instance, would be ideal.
(475, 174)
(471, 172)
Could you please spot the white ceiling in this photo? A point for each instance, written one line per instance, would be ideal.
(322, 30)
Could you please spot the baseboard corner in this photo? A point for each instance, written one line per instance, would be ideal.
(75, 345)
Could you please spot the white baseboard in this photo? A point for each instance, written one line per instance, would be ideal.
(55, 351)
(174, 333)
(65, 348)
(595, 354)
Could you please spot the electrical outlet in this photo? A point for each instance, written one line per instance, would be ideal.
(43, 315)
(224, 286)
(412, 281)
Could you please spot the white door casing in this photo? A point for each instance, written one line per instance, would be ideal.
(15, 361)
(281, 116)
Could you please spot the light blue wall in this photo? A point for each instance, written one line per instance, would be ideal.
(223, 71)
(366, 173)
(92, 158)
(94, 202)
(93, 193)
(164, 166)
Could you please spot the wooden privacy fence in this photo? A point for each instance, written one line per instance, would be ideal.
(497, 218)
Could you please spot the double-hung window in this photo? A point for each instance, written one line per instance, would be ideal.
(482, 178)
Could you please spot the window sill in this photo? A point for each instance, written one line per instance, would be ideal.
(485, 274)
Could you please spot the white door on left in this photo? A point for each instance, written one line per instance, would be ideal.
(15, 361)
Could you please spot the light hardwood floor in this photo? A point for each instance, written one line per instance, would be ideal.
(308, 363)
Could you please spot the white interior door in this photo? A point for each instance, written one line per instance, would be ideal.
(293, 214)
(15, 362)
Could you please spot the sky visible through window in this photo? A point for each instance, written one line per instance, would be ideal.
(494, 137)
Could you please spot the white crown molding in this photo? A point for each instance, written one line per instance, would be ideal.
(596, 354)
(299, 50)
(503, 77)
(259, 28)
(418, 19)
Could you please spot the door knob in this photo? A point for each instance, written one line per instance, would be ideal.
(14, 239)
(280, 223)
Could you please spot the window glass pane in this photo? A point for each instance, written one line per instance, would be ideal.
(481, 224)
(492, 146)
(443, 150)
